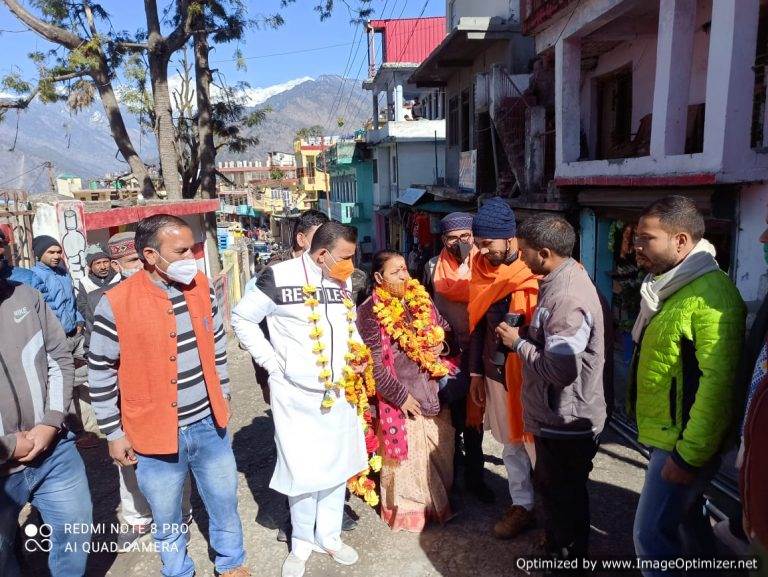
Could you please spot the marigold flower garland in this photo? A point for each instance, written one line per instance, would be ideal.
(357, 388)
(416, 334)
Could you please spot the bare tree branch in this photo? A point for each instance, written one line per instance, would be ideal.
(176, 39)
(44, 29)
(132, 46)
(89, 17)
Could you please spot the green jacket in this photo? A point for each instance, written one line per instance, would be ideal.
(685, 388)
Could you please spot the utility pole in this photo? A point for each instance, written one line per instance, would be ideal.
(327, 181)
(51, 180)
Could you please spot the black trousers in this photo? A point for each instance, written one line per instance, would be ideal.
(560, 479)
(474, 461)
(454, 395)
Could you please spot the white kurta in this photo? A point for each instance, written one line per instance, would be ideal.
(317, 449)
(496, 418)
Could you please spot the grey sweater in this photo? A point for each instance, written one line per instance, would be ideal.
(36, 368)
(563, 353)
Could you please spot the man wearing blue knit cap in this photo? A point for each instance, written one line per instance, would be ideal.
(501, 284)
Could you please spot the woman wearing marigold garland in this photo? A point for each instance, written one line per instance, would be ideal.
(406, 335)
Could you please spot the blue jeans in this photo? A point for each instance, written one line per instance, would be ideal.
(57, 486)
(670, 521)
(206, 451)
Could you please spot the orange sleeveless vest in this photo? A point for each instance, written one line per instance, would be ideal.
(146, 328)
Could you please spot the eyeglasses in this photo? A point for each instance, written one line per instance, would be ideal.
(451, 240)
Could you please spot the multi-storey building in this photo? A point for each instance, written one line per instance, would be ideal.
(407, 136)
(313, 179)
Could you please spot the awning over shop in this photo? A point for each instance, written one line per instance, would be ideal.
(411, 196)
(444, 207)
(616, 201)
(450, 193)
(471, 37)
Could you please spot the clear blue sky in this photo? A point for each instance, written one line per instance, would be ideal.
(327, 44)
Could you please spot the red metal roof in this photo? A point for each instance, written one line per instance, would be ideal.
(127, 215)
(409, 39)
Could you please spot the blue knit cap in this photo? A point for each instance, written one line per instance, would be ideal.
(456, 221)
(494, 220)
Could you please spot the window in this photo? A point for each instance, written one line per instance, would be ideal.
(394, 166)
(614, 116)
(466, 140)
(375, 169)
(453, 121)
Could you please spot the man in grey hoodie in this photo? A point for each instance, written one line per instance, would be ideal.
(38, 460)
(563, 352)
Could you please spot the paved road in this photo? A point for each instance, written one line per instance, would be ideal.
(463, 547)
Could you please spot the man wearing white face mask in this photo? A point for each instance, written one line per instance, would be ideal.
(134, 508)
(158, 344)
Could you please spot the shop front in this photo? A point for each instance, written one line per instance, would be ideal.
(608, 219)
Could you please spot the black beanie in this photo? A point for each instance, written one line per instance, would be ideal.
(42, 243)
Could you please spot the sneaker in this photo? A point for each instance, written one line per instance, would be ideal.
(293, 566)
(344, 556)
(516, 520)
(239, 572)
(125, 539)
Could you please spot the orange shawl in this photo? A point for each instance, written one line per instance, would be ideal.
(488, 285)
(448, 282)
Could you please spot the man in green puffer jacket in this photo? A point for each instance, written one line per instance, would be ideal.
(690, 332)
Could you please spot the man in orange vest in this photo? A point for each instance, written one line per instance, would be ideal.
(160, 389)
(501, 284)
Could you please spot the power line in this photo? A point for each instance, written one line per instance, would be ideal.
(350, 59)
(407, 42)
(274, 54)
(39, 166)
(402, 11)
(337, 107)
(405, 47)
(352, 89)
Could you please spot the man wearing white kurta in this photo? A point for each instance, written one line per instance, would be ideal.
(318, 449)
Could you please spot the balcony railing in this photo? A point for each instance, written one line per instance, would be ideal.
(344, 212)
(305, 172)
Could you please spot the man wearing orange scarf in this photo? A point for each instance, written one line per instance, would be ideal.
(447, 277)
(501, 284)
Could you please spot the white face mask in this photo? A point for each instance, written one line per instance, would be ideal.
(182, 271)
(129, 272)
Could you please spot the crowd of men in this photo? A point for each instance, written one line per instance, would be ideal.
(137, 352)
